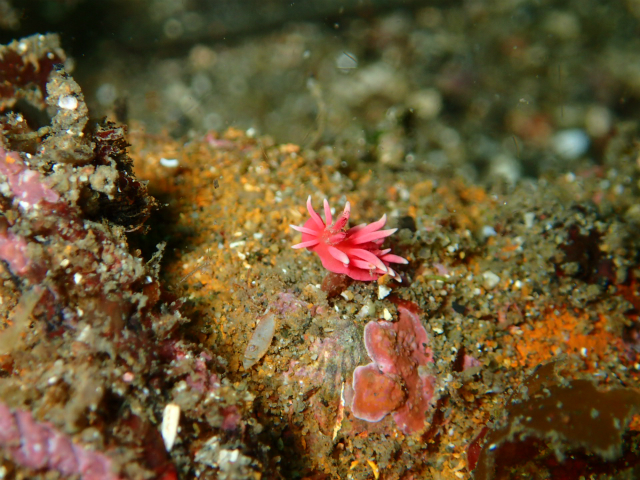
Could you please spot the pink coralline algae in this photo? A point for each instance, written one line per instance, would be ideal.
(28, 190)
(40, 446)
(26, 184)
(13, 250)
(354, 252)
(396, 381)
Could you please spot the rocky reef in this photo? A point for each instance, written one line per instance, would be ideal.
(158, 324)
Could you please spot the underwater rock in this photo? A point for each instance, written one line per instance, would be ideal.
(570, 429)
(43, 116)
(67, 190)
(230, 462)
(25, 66)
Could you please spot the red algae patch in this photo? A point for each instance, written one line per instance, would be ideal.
(397, 380)
(375, 394)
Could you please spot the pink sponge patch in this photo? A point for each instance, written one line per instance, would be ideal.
(394, 382)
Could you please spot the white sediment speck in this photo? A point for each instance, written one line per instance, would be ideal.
(488, 231)
(169, 162)
(106, 94)
(571, 144)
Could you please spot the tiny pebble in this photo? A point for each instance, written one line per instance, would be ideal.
(490, 279)
(347, 295)
(529, 217)
(383, 291)
(68, 102)
(346, 61)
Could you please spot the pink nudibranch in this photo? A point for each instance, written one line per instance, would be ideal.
(354, 252)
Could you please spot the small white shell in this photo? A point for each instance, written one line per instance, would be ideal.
(68, 102)
(169, 427)
(260, 341)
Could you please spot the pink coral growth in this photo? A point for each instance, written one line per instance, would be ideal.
(354, 252)
(13, 250)
(40, 446)
(29, 189)
(396, 380)
(27, 185)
